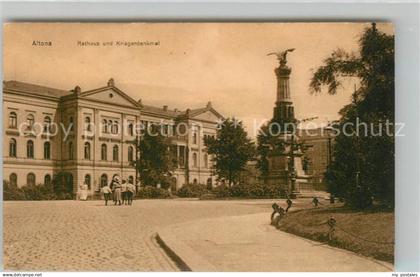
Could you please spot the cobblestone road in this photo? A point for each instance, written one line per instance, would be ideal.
(88, 236)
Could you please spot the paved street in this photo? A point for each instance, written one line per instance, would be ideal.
(88, 236)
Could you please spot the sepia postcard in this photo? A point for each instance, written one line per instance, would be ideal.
(233, 147)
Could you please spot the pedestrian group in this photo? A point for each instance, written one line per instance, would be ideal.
(121, 192)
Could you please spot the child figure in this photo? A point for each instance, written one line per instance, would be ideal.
(130, 193)
(106, 190)
(124, 192)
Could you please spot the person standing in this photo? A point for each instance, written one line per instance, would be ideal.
(106, 190)
(131, 189)
(117, 190)
(84, 192)
(124, 192)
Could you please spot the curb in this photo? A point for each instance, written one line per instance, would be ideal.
(178, 261)
(185, 257)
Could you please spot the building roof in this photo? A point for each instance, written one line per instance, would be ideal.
(35, 89)
(161, 111)
(198, 111)
(58, 93)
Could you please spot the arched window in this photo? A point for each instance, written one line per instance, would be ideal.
(13, 179)
(104, 180)
(130, 180)
(47, 150)
(12, 147)
(195, 164)
(206, 161)
(194, 138)
(30, 120)
(130, 129)
(30, 179)
(115, 153)
(88, 126)
(104, 126)
(47, 124)
(87, 151)
(181, 129)
(71, 151)
(30, 149)
(13, 120)
(110, 126)
(87, 180)
(130, 153)
(47, 180)
(114, 127)
(103, 152)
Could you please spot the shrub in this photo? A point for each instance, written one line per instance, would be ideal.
(256, 191)
(221, 191)
(359, 198)
(62, 187)
(207, 196)
(192, 190)
(38, 192)
(150, 192)
(33, 192)
(274, 191)
(238, 190)
(260, 191)
(11, 192)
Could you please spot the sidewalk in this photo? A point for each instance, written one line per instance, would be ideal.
(249, 243)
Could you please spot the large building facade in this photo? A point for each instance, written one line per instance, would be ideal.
(92, 135)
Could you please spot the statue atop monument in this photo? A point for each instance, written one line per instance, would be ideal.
(281, 56)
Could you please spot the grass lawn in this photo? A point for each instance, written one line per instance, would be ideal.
(370, 227)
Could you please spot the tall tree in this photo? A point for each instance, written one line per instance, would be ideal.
(270, 141)
(231, 150)
(156, 162)
(363, 166)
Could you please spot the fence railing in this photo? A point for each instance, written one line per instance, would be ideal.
(279, 214)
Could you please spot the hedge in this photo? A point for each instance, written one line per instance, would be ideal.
(150, 192)
(260, 191)
(192, 190)
(28, 192)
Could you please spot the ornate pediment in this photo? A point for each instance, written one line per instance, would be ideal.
(208, 115)
(110, 94)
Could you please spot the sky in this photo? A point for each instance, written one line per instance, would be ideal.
(192, 63)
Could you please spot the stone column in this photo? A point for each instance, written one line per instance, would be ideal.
(283, 88)
(283, 110)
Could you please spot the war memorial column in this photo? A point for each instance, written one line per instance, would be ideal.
(285, 157)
